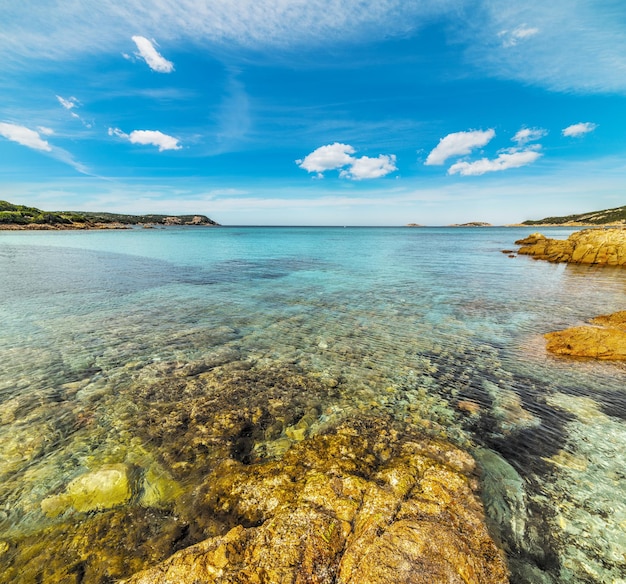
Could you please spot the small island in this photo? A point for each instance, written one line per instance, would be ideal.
(471, 224)
(22, 217)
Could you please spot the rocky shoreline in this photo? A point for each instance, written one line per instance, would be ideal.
(62, 227)
(589, 246)
(197, 220)
(605, 337)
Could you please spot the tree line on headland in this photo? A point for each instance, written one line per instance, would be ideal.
(608, 216)
(22, 215)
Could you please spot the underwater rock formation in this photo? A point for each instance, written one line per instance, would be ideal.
(589, 246)
(606, 340)
(105, 488)
(364, 503)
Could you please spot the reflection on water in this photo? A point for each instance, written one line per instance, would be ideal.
(129, 374)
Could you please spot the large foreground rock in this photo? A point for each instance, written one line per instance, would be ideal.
(606, 339)
(363, 505)
(589, 246)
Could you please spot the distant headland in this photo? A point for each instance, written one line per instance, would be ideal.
(20, 217)
(616, 216)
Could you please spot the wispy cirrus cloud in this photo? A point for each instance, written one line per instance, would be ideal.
(340, 157)
(458, 144)
(510, 38)
(24, 136)
(148, 137)
(563, 45)
(32, 139)
(526, 135)
(579, 129)
(151, 56)
(70, 104)
(256, 24)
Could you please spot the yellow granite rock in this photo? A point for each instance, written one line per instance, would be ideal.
(605, 339)
(360, 505)
(589, 246)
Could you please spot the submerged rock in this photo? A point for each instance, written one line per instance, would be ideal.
(504, 496)
(363, 504)
(589, 246)
(105, 488)
(605, 340)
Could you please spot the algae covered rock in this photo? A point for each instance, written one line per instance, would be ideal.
(606, 339)
(362, 504)
(105, 488)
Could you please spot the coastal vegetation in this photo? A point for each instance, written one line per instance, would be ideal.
(22, 215)
(608, 216)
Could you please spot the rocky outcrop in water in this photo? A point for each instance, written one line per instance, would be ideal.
(362, 504)
(589, 246)
(605, 339)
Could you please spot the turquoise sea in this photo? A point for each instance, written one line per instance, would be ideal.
(103, 333)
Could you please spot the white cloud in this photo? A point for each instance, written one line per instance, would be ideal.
(579, 129)
(45, 131)
(339, 156)
(68, 104)
(328, 157)
(148, 137)
(522, 32)
(366, 167)
(510, 38)
(24, 136)
(526, 135)
(511, 158)
(151, 56)
(156, 138)
(458, 144)
(117, 132)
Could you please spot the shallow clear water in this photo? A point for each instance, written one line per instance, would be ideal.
(104, 334)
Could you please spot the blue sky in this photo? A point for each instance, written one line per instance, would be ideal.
(377, 112)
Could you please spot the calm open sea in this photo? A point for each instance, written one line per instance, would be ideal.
(433, 326)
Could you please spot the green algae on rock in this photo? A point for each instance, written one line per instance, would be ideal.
(364, 503)
(105, 488)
